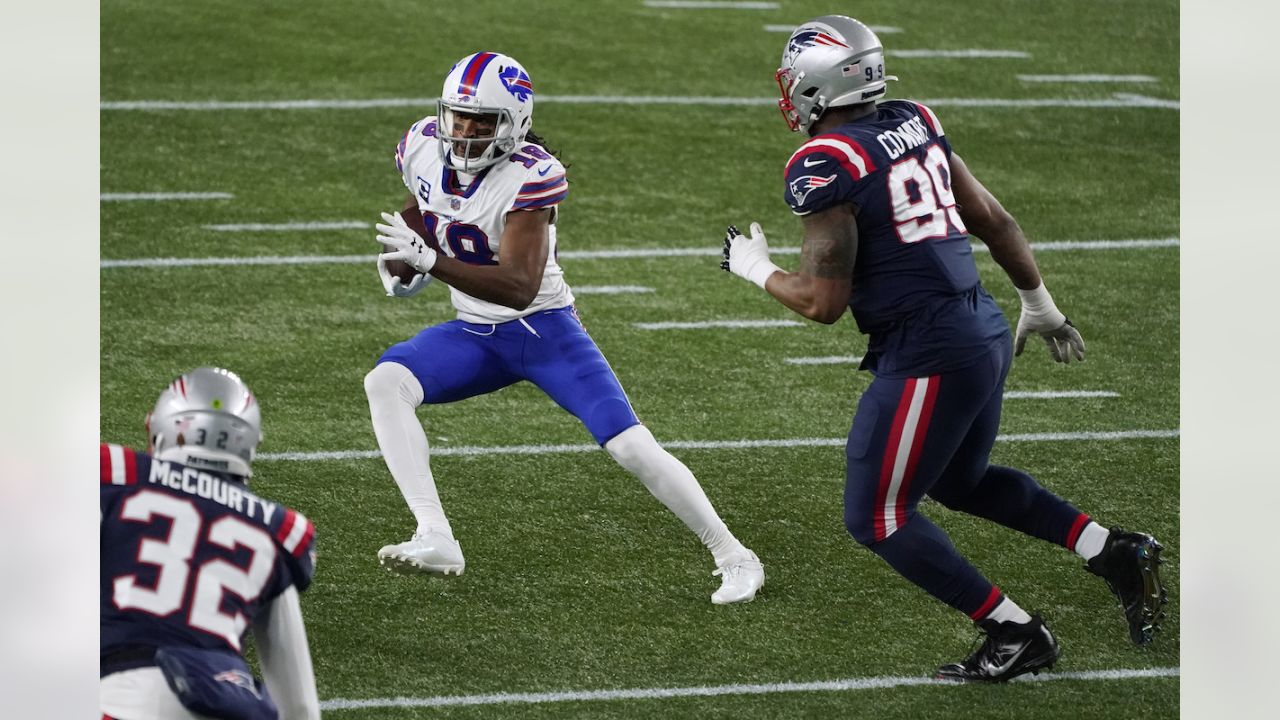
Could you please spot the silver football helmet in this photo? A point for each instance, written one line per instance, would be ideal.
(484, 83)
(829, 62)
(207, 418)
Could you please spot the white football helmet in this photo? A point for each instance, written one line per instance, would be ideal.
(829, 62)
(207, 418)
(484, 83)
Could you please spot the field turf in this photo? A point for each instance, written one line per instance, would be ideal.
(577, 580)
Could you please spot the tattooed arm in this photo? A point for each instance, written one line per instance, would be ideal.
(820, 289)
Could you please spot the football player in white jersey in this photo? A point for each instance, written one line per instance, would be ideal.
(487, 193)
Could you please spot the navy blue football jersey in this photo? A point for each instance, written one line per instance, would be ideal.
(915, 284)
(190, 556)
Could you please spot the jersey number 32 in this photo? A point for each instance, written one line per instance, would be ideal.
(211, 578)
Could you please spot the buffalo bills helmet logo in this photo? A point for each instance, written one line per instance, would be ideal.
(517, 82)
(809, 38)
(802, 186)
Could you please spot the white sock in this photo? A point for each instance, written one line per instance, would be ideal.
(674, 486)
(1008, 611)
(1091, 541)
(394, 393)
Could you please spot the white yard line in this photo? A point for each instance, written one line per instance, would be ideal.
(1087, 78)
(477, 451)
(288, 227)
(659, 693)
(1056, 394)
(877, 29)
(709, 5)
(1011, 395)
(969, 53)
(732, 324)
(610, 289)
(621, 253)
(1117, 100)
(125, 197)
(825, 360)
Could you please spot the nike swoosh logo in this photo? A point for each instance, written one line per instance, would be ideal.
(543, 172)
(811, 164)
(993, 669)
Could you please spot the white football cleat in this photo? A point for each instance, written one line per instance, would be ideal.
(741, 576)
(433, 552)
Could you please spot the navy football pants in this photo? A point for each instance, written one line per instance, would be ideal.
(912, 436)
(457, 360)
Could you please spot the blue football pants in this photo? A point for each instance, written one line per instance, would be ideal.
(457, 360)
(918, 435)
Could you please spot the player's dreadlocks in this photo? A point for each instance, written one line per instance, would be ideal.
(533, 137)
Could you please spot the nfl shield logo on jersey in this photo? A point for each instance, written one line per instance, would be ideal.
(454, 203)
(802, 186)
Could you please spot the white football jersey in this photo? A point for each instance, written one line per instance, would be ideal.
(468, 214)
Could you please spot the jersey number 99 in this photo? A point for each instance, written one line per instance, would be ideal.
(923, 205)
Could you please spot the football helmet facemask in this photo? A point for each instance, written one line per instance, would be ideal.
(829, 61)
(484, 83)
(207, 418)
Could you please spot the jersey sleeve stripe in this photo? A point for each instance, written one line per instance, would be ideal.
(286, 526)
(130, 467)
(539, 203)
(850, 148)
(400, 156)
(849, 154)
(542, 185)
(307, 538)
(553, 190)
(932, 119)
(116, 464)
(295, 532)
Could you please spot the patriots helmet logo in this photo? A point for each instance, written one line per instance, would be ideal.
(809, 37)
(517, 82)
(240, 679)
(805, 184)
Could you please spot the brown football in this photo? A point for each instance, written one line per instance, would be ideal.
(399, 268)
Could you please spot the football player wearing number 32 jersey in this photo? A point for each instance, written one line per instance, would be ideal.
(192, 559)
(887, 209)
(488, 194)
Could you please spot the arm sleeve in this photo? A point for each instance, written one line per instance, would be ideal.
(420, 135)
(817, 181)
(281, 639)
(545, 186)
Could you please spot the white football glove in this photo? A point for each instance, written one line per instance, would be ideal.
(393, 285)
(411, 248)
(748, 258)
(1040, 315)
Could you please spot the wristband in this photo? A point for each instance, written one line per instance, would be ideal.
(760, 271)
(1036, 301)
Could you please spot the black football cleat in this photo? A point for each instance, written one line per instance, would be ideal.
(1009, 650)
(1130, 563)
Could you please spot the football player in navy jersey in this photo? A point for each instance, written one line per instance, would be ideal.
(887, 210)
(488, 194)
(191, 559)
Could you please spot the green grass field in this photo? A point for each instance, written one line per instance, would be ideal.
(577, 580)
